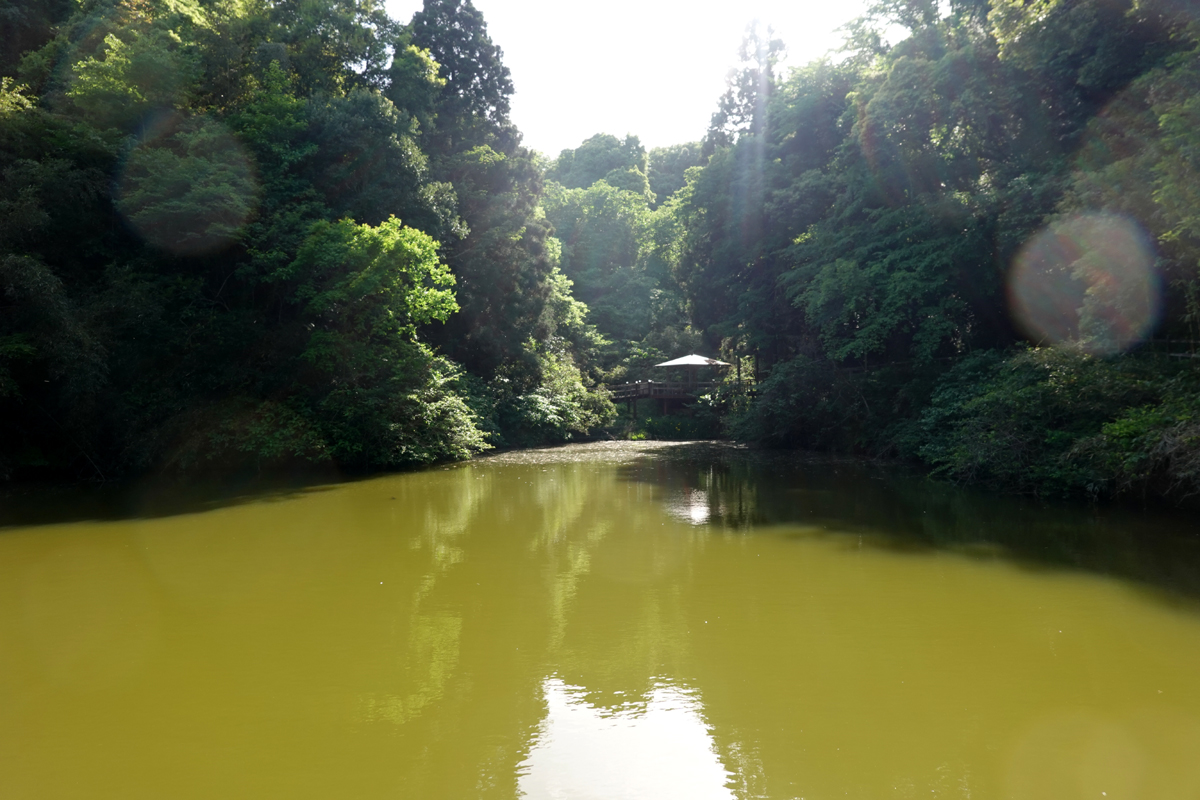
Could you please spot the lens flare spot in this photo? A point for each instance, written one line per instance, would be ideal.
(188, 187)
(1088, 281)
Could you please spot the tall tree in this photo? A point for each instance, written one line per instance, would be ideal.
(474, 102)
(502, 263)
(742, 109)
(334, 46)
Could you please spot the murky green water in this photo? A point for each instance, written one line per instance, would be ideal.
(606, 621)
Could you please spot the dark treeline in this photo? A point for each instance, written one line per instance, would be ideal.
(954, 249)
(246, 234)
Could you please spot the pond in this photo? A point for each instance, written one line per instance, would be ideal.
(620, 620)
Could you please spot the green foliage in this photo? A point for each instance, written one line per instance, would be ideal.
(273, 123)
(13, 347)
(676, 427)
(666, 167)
(1084, 49)
(726, 232)
(229, 434)
(701, 418)
(603, 231)
(855, 223)
(388, 407)
(26, 25)
(190, 188)
(503, 264)
(201, 259)
(558, 408)
(1152, 449)
(743, 109)
(900, 288)
(13, 98)
(380, 398)
(1021, 423)
(565, 322)
(617, 250)
(603, 157)
(366, 164)
(811, 403)
(474, 101)
(334, 46)
(374, 281)
(124, 80)
(630, 180)
(52, 211)
(202, 264)
(1138, 162)
(413, 83)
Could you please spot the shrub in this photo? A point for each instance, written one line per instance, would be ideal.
(548, 407)
(814, 404)
(1055, 421)
(1152, 449)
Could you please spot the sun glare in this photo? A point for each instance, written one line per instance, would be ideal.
(1087, 280)
(663, 746)
(581, 69)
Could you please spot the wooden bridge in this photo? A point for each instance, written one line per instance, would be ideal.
(663, 390)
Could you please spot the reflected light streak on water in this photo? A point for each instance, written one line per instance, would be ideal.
(657, 749)
(690, 506)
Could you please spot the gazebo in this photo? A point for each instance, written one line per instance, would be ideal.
(692, 363)
(667, 392)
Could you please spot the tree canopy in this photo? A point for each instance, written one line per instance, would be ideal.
(245, 234)
(239, 234)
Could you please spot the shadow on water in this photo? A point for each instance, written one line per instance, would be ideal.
(893, 508)
(149, 498)
(737, 488)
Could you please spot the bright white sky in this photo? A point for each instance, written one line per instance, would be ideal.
(653, 68)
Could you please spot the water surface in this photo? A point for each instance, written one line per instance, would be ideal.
(601, 621)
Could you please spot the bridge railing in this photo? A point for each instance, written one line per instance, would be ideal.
(667, 389)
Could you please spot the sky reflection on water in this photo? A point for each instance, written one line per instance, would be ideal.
(661, 743)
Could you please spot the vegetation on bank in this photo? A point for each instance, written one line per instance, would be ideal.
(949, 249)
(254, 233)
(1047, 421)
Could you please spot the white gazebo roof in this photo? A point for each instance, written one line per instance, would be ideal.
(693, 361)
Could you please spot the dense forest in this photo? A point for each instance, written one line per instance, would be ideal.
(248, 234)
